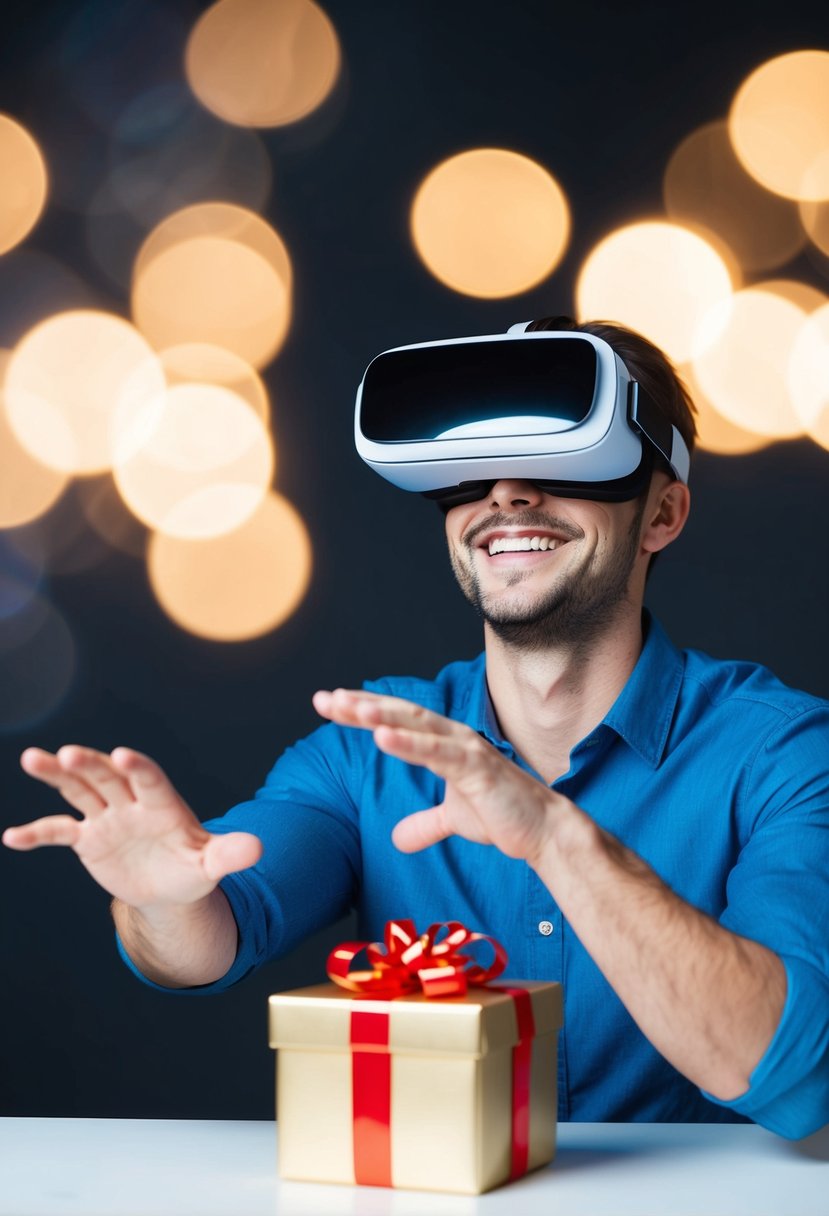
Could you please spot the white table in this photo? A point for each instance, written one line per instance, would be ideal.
(147, 1167)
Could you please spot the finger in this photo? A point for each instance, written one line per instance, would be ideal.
(419, 830)
(229, 853)
(355, 707)
(46, 767)
(149, 784)
(54, 829)
(97, 770)
(456, 759)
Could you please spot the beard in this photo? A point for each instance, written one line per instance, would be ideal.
(580, 606)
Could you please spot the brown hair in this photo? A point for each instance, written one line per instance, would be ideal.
(646, 363)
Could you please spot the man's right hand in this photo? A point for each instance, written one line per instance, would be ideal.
(137, 837)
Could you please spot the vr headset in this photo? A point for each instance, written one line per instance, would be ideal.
(557, 408)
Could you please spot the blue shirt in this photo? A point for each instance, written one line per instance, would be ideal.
(714, 772)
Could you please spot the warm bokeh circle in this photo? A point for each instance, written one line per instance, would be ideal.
(490, 222)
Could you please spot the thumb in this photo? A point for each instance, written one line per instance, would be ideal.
(419, 830)
(225, 854)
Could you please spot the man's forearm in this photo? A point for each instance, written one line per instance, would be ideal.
(179, 945)
(706, 998)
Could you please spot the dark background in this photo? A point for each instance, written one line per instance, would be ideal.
(599, 93)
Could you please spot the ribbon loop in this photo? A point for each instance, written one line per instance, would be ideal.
(405, 961)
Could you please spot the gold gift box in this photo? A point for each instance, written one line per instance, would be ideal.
(451, 1084)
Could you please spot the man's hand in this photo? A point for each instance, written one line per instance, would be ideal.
(136, 836)
(488, 799)
(651, 945)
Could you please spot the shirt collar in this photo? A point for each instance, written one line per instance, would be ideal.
(641, 714)
(644, 709)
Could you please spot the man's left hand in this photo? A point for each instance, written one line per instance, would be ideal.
(488, 799)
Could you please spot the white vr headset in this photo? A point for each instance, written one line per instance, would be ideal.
(558, 408)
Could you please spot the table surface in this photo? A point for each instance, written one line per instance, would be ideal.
(164, 1167)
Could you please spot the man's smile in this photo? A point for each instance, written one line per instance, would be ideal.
(509, 545)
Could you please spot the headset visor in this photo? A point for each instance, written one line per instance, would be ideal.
(467, 389)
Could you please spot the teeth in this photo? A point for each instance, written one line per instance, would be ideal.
(521, 544)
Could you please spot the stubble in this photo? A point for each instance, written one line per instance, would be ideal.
(581, 603)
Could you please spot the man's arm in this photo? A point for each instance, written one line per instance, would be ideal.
(141, 842)
(709, 1000)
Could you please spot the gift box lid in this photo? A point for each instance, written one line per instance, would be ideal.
(483, 1020)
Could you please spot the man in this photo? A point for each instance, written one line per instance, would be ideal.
(647, 826)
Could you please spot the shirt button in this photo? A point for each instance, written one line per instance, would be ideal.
(545, 927)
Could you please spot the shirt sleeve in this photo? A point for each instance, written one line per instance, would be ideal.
(310, 871)
(778, 895)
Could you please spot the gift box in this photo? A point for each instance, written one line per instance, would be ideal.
(449, 1091)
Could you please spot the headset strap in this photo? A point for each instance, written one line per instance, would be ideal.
(656, 428)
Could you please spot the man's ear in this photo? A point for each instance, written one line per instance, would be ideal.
(665, 515)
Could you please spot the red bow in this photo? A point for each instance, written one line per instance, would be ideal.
(407, 961)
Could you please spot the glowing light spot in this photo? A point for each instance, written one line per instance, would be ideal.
(744, 371)
(69, 378)
(23, 183)
(19, 578)
(714, 432)
(657, 278)
(27, 487)
(214, 273)
(809, 375)
(37, 655)
(108, 515)
(803, 295)
(779, 124)
(490, 222)
(201, 363)
(240, 585)
(815, 217)
(262, 63)
(203, 467)
(706, 186)
(61, 541)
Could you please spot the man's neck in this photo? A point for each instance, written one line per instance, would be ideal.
(546, 701)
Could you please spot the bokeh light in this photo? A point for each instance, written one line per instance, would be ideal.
(167, 153)
(27, 487)
(808, 375)
(105, 511)
(705, 185)
(240, 585)
(657, 278)
(214, 273)
(490, 222)
(779, 124)
(108, 54)
(804, 295)
(20, 577)
(815, 217)
(61, 541)
(744, 371)
(202, 467)
(68, 380)
(38, 659)
(34, 285)
(262, 63)
(716, 433)
(202, 363)
(23, 183)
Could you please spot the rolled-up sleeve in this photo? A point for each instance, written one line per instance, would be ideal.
(778, 895)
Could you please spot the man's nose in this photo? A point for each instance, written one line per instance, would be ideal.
(510, 492)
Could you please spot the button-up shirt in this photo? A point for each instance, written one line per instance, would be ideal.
(713, 772)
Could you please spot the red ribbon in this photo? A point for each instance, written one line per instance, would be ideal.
(432, 963)
(407, 961)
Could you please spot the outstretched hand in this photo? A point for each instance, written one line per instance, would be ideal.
(136, 836)
(488, 799)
